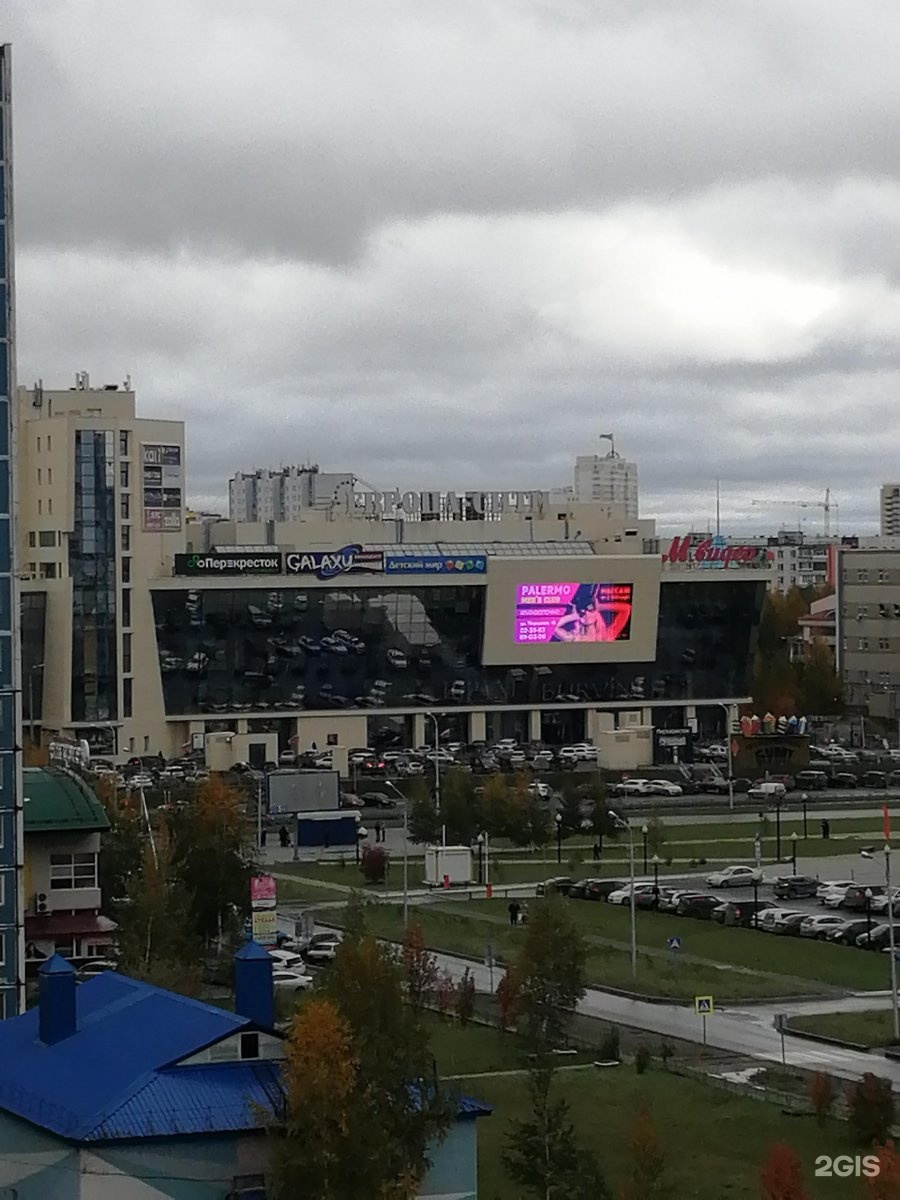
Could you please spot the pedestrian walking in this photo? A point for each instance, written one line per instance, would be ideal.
(596, 851)
(513, 909)
(826, 829)
(378, 831)
(284, 837)
(523, 915)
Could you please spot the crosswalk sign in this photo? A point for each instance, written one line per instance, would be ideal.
(703, 1005)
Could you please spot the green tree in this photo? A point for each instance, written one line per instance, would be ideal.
(459, 813)
(570, 809)
(551, 971)
(497, 806)
(821, 687)
(121, 849)
(423, 820)
(542, 1154)
(648, 1161)
(401, 1110)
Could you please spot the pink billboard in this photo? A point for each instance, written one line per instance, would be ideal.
(573, 612)
(262, 889)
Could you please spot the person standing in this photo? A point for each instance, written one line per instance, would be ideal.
(513, 910)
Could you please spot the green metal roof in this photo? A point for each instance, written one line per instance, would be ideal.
(56, 801)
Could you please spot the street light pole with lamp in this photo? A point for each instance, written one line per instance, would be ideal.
(794, 852)
(436, 762)
(868, 914)
(656, 860)
(729, 717)
(891, 943)
(557, 817)
(620, 824)
(645, 833)
(804, 800)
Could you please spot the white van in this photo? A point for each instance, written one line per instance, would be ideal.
(768, 791)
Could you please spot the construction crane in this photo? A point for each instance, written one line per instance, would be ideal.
(826, 506)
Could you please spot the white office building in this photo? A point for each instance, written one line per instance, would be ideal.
(609, 479)
(287, 493)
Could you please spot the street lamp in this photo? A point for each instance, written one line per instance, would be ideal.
(729, 718)
(755, 902)
(804, 800)
(868, 915)
(479, 842)
(361, 833)
(557, 817)
(778, 829)
(656, 860)
(794, 852)
(405, 801)
(620, 824)
(890, 910)
(645, 831)
(437, 765)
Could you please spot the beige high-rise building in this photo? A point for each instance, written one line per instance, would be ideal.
(890, 509)
(101, 512)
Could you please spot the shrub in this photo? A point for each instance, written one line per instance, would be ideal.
(465, 997)
(374, 863)
(642, 1058)
(821, 1095)
(871, 1106)
(608, 1050)
(665, 1053)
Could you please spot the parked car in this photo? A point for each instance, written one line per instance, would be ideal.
(541, 791)
(594, 889)
(623, 895)
(795, 887)
(286, 960)
(847, 932)
(291, 981)
(719, 786)
(665, 787)
(874, 779)
(790, 926)
(811, 781)
(827, 886)
(697, 905)
(377, 800)
(735, 876)
(879, 904)
(854, 899)
(833, 897)
(407, 767)
(560, 885)
(819, 924)
(634, 787)
(741, 912)
(773, 917)
(322, 948)
(649, 899)
(770, 791)
(844, 779)
(875, 939)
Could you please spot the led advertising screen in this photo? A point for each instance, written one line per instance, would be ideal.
(573, 612)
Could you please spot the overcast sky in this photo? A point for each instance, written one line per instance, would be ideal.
(449, 244)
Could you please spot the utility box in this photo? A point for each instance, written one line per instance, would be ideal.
(447, 865)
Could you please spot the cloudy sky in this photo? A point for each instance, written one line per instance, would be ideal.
(448, 244)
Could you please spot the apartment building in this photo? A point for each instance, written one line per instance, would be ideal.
(868, 629)
(101, 511)
(607, 479)
(890, 509)
(285, 494)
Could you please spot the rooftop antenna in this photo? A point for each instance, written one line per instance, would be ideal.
(718, 511)
(611, 438)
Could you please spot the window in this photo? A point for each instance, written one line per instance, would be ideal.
(123, 475)
(126, 607)
(49, 474)
(146, 744)
(65, 947)
(862, 576)
(47, 570)
(73, 871)
(882, 576)
(884, 644)
(32, 539)
(124, 506)
(126, 538)
(46, 537)
(126, 653)
(127, 704)
(249, 1045)
(123, 444)
(49, 508)
(39, 475)
(39, 444)
(126, 570)
(49, 442)
(40, 508)
(862, 644)
(131, 745)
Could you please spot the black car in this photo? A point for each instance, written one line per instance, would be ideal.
(846, 934)
(377, 800)
(794, 887)
(560, 885)
(599, 889)
(877, 939)
(855, 897)
(811, 781)
(874, 779)
(719, 787)
(844, 779)
(790, 926)
(699, 905)
(742, 912)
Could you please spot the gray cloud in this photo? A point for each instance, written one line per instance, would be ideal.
(448, 244)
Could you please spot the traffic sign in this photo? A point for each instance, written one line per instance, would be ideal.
(703, 1005)
(674, 942)
(781, 1022)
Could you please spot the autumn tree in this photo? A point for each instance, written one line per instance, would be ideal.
(496, 806)
(465, 997)
(648, 1161)
(402, 1111)
(316, 1147)
(551, 970)
(419, 966)
(542, 1154)
(821, 1095)
(871, 1106)
(423, 822)
(781, 1177)
(570, 809)
(821, 686)
(885, 1184)
(459, 811)
(373, 863)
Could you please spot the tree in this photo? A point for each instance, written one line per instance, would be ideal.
(496, 806)
(419, 966)
(821, 687)
(121, 847)
(821, 1095)
(374, 863)
(459, 813)
(401, 1109)
(885, 1185)
(871, 1106)
(570, 809)
(509, 998)
(542, 1155)
(648, 1161)
(781, 1177)
(423, 820)
(465, 997)
(316, 1147)
(551, 971)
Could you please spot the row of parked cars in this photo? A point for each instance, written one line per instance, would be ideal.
(865, 928)
(293, 957)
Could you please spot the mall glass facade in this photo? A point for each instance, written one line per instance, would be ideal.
(349, 647)
(92, 567)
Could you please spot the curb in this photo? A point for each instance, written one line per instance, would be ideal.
(824, 1040)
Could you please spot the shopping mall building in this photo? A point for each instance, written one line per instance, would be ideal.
(503, 614)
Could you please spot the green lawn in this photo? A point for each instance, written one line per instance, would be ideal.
(872, 1028)
(297, 892)
(480, 1048)
(714, 1142)
(743, 964)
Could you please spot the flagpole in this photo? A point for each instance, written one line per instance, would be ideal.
(890, 909)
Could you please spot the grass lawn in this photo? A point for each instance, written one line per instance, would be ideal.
(795, 969)
(872, 1028)
(479, 1048)
(714, 1143)
(296, 892)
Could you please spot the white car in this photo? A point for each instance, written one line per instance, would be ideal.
(879, 904)
(768, 791)
(322, 951)
(738, 876)
(715, 753)
(542, 756)
(540, 790)
(567, 754)
(663, 787)
(623, 895)
(818, 925)
(829, 885)
(585, 752)
(635, 787)
(771, 919)
(141, 780)
(838, 754)
(834, 897)
(516, 758)
(291, 981)
(396, 659)
(286, 960)
(409, 767)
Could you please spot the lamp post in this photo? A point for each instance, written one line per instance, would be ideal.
(794, 852)
(645, 831)
(405, 802)
(778, 829)
(557, 817)
(436, 763)
(729, 716)
(620, 824)
(361, 833)
(890, 912)
(804, 800)
(31, 670)
(656, 860)
(479, 842)
(755, 902)
(868, 914)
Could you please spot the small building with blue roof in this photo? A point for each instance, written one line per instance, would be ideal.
(118, 1090)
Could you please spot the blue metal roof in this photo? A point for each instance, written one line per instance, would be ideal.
(128, 1032)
